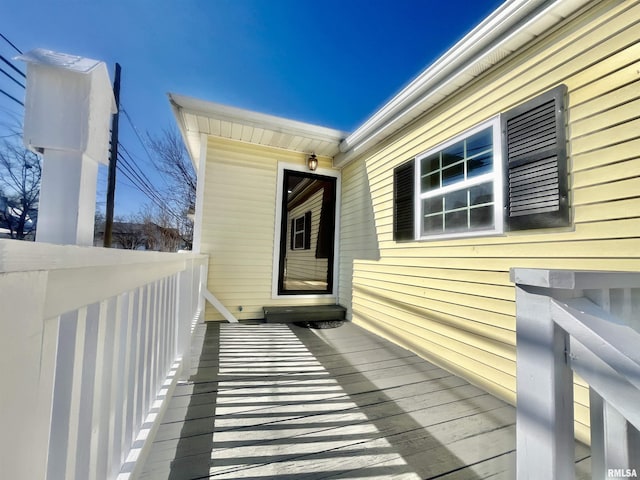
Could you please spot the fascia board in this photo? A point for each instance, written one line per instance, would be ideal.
(177, 113)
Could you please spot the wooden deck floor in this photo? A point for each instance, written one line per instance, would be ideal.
(273, 401)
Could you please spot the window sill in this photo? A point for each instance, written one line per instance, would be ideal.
(462, 235)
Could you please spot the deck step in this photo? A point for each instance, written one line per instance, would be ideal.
(304, 313)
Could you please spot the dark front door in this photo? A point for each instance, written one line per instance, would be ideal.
(307, 234)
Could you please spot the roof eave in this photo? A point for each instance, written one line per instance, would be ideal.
(183, 106)
(177, 113)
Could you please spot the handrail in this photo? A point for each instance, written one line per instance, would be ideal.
(561, 329)
(93, 340)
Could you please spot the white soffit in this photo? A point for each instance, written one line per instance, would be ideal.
(196, 117)
(510, 27)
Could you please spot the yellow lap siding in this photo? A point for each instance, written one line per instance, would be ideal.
(597, 89)
(609, 116)
(406, 301)
(607, 154)
(612, 107)
(617, 209)
(500, 332)
(608, 173)
(618, 190)
(606, 136)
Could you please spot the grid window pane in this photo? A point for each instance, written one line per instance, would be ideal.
(456, 200)
(456, 221)
(430, 164)
(480, 164)
(453, 174)
(431, 181)
(453, 154)
(432, 205)
(432, 224)
(481, 217)
(480, 142)
(481, 194)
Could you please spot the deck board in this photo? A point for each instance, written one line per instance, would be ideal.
(276, 401)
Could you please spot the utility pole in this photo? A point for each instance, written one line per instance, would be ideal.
(111, 180)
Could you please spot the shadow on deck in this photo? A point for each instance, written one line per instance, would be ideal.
(275, 401)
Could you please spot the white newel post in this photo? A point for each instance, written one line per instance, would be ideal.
(184, 313)
(68, 185)
(545, 436)
(68, 106)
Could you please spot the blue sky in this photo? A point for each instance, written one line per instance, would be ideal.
(327, 62)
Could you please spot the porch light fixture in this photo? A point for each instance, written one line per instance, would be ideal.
(312, 162)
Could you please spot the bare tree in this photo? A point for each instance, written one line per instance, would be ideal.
(180, 195)
(20, 173)
(129, 236)
(160, 230)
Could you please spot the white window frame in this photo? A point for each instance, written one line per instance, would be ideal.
(495, 176)
(303, 232)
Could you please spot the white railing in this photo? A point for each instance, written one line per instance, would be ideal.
(588, 323)
(92, 341)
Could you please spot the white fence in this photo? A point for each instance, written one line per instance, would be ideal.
(92, 342)
(587, 322)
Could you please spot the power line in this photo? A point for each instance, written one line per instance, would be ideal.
(142, 182)
(11, 97)
(134, 184)
(142, 142)
(9, 75)
(12, 66)
(144, 185)
(125, 169)
(135, 163)
(135, 130)
(10, 43)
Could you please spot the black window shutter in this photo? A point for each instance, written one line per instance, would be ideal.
(403, 201)
(534, 146)
(307, 230)
(293, 234)
(326, 227)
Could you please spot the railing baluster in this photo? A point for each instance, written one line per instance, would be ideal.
(118, 380)
(183, 310)
(141, 365)
(136, 380)
(60, 417)
(102, 406)
(596, 413)
(152, 345)
(616, 431)
(81, 446)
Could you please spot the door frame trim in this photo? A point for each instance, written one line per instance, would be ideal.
(282, 166)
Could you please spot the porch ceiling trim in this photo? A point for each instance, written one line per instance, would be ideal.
(514, 24)
(196, 117)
